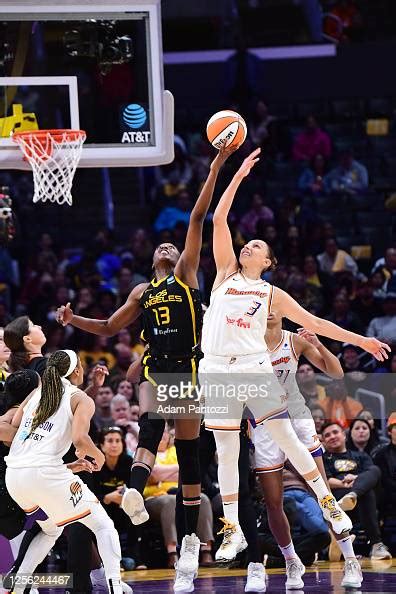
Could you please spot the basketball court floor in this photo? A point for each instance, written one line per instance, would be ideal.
(323, 577)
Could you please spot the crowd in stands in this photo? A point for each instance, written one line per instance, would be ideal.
(354, 288)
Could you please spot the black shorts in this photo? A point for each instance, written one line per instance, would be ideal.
(172, 370)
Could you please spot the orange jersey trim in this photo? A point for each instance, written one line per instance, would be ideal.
(74, 518)
(223, 428)
(33, 509)
(278, 346)
(270, 468)
(293, 350)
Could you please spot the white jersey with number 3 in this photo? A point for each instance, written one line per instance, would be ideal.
(235, 322)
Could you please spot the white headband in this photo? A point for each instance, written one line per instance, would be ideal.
(73, 361)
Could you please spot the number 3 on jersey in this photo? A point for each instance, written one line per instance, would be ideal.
(162, 315)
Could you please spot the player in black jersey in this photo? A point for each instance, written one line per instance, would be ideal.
(172, 320)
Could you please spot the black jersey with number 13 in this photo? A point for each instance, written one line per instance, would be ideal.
(172, 316)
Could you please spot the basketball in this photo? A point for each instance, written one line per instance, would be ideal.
(226, 127)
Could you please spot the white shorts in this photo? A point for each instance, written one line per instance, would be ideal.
(61, 494)
(268, 457)
(239, 387)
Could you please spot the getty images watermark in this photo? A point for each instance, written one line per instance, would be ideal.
(214, 395)
(220, 395)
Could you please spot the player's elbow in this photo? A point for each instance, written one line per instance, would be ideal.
(219, 219)
(108, 330)
(336, 374)
(79, 440)
(197, 218)
(314, 325)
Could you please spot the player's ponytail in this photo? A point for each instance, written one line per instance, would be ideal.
(13, 338)
(272, 257)
(52, 387)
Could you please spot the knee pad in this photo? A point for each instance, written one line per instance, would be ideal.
(151, 431)
(188, 457)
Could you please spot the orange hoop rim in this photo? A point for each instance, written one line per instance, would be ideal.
(59, 135)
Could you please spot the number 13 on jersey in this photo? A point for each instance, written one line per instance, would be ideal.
(162, 315)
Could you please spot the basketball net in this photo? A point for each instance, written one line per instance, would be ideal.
(53, 156)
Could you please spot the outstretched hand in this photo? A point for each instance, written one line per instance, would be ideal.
(64, 314)
(222, 156)
(375, 347)
(99, 374)
(248, 164)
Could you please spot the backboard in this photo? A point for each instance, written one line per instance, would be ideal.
(90, 65)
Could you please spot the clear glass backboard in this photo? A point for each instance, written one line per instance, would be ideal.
(93, 66)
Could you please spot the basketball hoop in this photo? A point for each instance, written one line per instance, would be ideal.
(53, 156)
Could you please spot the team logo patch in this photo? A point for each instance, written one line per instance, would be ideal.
(76, 493)
(239, 322)
(255, 307)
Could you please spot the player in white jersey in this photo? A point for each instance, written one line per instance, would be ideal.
(233, 340)
(53, 417)
(285, 348)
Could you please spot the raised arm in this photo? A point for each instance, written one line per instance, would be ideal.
(121, 318)
(289, 308)
(308, 344)
(188, 263)
(224, 255)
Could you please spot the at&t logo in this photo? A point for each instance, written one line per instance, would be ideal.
(135, 116)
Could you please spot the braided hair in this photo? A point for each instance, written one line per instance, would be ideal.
(52, 388)
(13, 338)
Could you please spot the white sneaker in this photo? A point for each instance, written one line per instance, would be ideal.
(380, 551)
(99, 583)
(233, 542)
(189, 554)
(255, 578)
(184, 580)
(294, 571)
(125, 588)
(332, 513)
(352, 574)
(133, 505)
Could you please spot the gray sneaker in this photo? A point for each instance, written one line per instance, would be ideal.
(133, 505)
(380, 551)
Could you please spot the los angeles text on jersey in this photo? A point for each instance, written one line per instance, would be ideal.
(162, 297)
